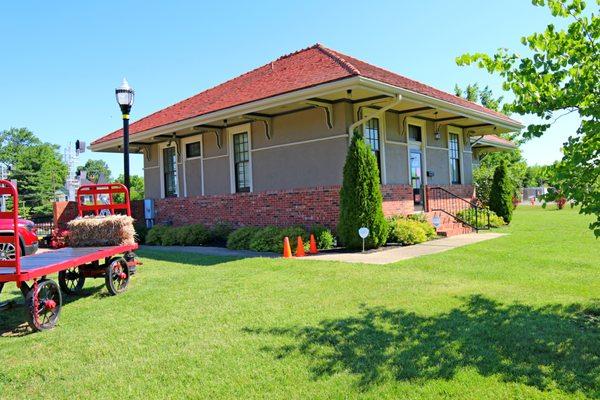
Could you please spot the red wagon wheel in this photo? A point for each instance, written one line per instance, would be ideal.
(44, 301)
(71, 280)
(117, 276)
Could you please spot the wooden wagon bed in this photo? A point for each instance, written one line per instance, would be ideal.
(42, 264)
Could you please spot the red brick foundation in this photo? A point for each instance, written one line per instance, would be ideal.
(319, 205)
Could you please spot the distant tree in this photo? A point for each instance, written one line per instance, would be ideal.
(484, 96)
(13, 141)
(360, 198)
(37, 167)
(40, 172)
(136, 191)
(94, 169)
(501, 193)
(558, 74)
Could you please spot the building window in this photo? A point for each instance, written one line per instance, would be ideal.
(454, 149)
(372, 139)
(170, 171)
(241, 162)
(192, 150)
(414, 133)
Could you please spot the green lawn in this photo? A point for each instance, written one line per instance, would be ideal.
(515, 317)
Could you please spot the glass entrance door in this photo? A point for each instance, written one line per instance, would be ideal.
(416, 177)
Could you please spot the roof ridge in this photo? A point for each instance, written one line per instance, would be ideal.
(340, 60)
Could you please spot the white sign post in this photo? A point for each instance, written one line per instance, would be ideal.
(363, 233)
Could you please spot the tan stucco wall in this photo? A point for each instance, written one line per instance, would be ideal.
(216, 175)
(304, 165)
(396, 162)
(467, 168)
(392, 124)
(438, 162)
(152, 183)
(283, 163)
(193, 177)
(300, 126)
(152, 159)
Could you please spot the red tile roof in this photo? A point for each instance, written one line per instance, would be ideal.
(300, 70)
(499, 140)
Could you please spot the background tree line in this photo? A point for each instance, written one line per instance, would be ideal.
(41, 172)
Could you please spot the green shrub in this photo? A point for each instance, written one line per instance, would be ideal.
(265, 239)
(171, 236)
(195, 235)
(240, 238)
(219, 233)
(360, 198)
(155, 234)
(429, 230)
(406, 231)
(271, 238)
(141, 231)
(501, 194)
(468, 216)
(323, 236)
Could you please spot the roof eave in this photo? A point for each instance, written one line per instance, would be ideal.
(254, 106)
(303, 94)
(443, 105)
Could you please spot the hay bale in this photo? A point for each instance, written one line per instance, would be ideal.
(112, 230)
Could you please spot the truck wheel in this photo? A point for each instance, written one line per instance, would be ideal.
(71, 281)
(117, 276)
(44, 302)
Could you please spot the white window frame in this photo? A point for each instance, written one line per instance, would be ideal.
(244, 128)
(161, 147)
(184, 160)
(459, 132)
(365, 111)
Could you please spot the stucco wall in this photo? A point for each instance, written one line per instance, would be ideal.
(193, 177)
(439, 164)
(302, 152)
(396, 163)
(216, 176)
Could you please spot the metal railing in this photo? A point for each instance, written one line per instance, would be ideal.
(462, 210)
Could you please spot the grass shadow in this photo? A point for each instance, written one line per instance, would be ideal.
(188, 258)
(13, 319)
(552, 346)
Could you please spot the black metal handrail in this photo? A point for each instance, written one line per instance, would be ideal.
(462, 210)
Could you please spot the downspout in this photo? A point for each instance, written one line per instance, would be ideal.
(376, 114)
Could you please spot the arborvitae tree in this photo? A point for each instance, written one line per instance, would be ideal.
(501, 193)
(360, 198)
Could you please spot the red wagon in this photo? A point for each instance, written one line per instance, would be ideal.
(43, 296)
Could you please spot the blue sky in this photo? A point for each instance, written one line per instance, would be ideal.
(62, 60)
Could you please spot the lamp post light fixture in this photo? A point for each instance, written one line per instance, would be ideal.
(125, 95)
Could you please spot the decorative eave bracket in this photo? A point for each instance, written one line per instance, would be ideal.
(217, 131)
(327, 107)
(268, 121)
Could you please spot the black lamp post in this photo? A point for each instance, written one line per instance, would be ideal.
(125, 96)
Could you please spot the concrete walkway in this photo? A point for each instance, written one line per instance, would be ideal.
(394, 254)
(381, 256)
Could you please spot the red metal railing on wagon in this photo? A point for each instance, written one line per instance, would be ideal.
(8, 189)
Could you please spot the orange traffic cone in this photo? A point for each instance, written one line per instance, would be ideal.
(300, 248)
(313, 245)
(287, 250)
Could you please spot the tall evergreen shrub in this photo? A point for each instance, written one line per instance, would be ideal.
(501, 193)
(360, 198)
